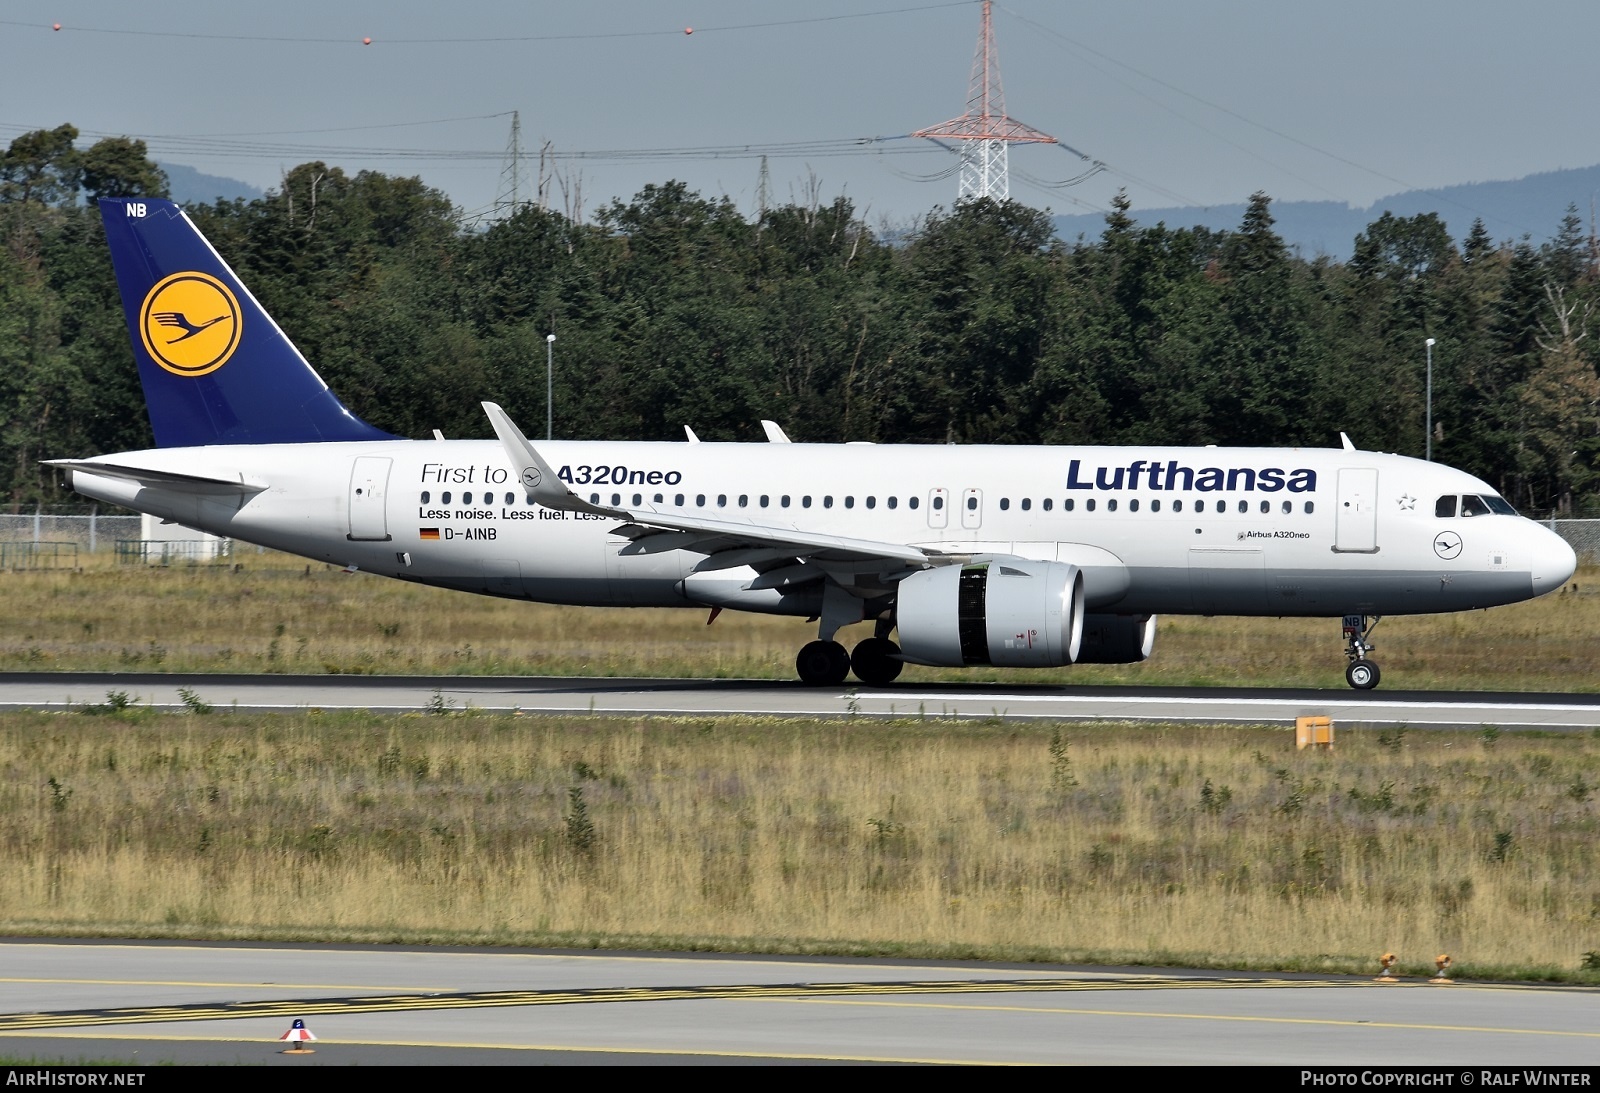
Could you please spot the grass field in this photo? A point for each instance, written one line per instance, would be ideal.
(1199, 846)
(276, 614)
(1204, 846)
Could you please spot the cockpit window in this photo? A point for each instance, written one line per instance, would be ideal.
(1473, 505)
(1445, 507)
(1499, 505)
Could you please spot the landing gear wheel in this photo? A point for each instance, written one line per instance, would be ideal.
(822, 663)
(1363, 675)
(874, 661)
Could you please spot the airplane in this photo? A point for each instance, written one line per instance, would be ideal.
(1011, 556)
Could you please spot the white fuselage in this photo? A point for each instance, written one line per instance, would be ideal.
(1224, 531)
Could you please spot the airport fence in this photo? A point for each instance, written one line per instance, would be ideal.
(1583, 536)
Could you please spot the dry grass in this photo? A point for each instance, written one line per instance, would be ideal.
(278, 615)
(1211, 846)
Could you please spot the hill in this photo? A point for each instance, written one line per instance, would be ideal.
(1531, 206)
(188, 185)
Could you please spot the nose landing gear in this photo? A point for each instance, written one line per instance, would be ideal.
(1361, 673)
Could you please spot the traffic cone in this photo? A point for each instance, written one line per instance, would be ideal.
(1442, 962)
(297, 1036)
(1387, 960)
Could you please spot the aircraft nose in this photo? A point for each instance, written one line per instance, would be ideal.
(1553, 562)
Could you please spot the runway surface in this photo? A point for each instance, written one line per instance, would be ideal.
(682, 697)
(192, 1003)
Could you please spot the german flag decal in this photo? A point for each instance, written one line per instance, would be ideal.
(428, 533)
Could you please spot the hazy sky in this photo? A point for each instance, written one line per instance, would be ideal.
(1186, 101)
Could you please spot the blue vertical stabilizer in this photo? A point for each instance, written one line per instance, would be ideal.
(215, 367)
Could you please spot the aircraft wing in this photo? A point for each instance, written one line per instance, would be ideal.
(168, 480)
(731, 542)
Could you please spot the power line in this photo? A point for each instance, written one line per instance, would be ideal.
(484, 40)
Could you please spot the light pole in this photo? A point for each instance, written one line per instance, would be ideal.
(1428, 450)
(549, 385)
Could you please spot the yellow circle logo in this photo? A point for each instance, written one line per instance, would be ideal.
(190, 324)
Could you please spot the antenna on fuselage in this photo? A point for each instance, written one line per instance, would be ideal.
(690, 433)
(1344, 442)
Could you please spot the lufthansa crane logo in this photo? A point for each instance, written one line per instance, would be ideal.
(190, 324)
(1447, 545)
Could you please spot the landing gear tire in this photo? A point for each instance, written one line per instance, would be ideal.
(874, 661)
(1363, 675)
(822, 663)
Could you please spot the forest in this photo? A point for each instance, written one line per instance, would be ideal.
(973, 325)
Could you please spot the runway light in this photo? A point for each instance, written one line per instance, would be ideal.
(688, 30)
(1387, 961)
(366, 41)
(297, 1036)
(55, 26)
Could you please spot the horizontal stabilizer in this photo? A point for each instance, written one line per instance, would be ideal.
(169, 480)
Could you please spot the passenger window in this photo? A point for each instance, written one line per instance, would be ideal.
(872, 502)
(1133, 506)
(938, 503)
(1244, 506)
(972, 504)
(424, 497)
(827, 500)
(784, 501)
(529, 499)
(1472, 505)
(1068, 505)
(1288, 507)
(1155, 506)
(1445, 507)
(616, 499)
(1005, 503)
(658, 498)
(1177, 504)
(1311, 506)
(1046, 503)
(1027, 503)
(638, 499)
(893, 501)
(849, 502)
(700, 500)
(594, 499)
(511, 499)
(444, 498)
(744, 500)
(805, 502)
(1111, 505)
(722, 500)
(765, 500)
(466, 498)
(1266, 507)
(677, 499)
(913, 502)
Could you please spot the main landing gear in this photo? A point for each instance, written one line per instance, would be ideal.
(1361, 673)
(875, 660)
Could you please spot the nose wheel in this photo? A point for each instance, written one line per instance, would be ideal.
(1362, 672)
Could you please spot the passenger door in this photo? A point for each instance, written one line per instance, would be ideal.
(1355, 522)
(369, 489)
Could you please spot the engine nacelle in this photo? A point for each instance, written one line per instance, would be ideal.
(1117, 639)
(1010, 613)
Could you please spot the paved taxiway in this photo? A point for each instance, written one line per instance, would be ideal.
(682, 697)
(188, 1002)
